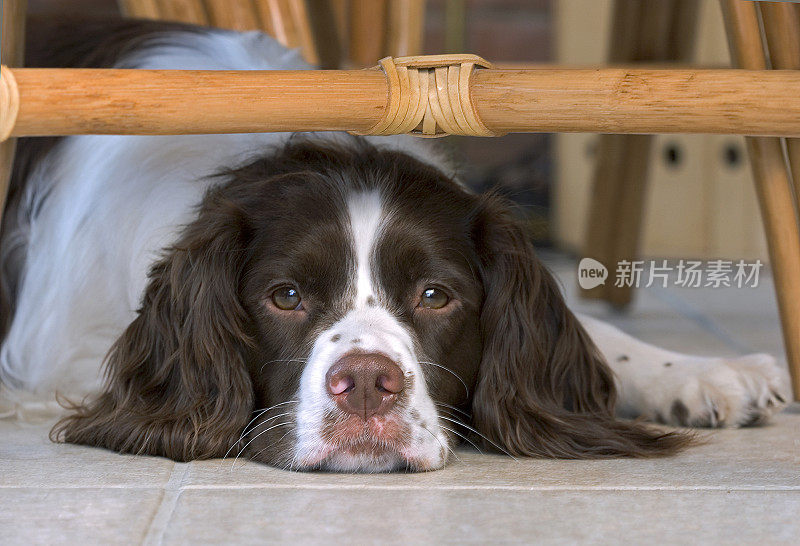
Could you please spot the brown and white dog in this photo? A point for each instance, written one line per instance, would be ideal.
(311, 301)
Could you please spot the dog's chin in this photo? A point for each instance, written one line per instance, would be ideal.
(379, 445)
(364, 458)
(371, 457)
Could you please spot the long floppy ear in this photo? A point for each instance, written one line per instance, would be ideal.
(177, 381)
(543, 387)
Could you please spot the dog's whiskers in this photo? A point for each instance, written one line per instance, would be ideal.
(466, 426)
(258, 413)
(302, 360)
(466, 389)
(278, 441)
(444, 446)
(267, 420)
(254, 427)
(454, 408)
(463, 437)
(254, 437)
(444, 412)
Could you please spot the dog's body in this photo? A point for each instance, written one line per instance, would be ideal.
(351, 289)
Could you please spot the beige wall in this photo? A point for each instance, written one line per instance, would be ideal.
(703, 207)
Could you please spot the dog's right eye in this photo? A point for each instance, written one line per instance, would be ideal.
(433, 298)
(287, 298)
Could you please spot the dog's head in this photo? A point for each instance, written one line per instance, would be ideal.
(351, 308)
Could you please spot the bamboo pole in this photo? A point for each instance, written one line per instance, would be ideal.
(288, 22)
(327, 23)
(773, 187)
(639, 31)
(405, 27)
(302, 27)
(781, 24)
(108, 101)
(276, 19)
(614, 100)
(340, 12)
(367, 31)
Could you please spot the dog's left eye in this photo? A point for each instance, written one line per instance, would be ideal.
(287, 298)
(433, 298)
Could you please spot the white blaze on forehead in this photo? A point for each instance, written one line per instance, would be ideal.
(366, 329)
(366, 214)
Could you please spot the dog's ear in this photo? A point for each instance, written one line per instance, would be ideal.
(543, 388)
(177, 381)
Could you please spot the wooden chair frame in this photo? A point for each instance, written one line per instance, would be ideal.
(751, 101)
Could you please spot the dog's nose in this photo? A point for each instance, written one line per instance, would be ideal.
(365, 384)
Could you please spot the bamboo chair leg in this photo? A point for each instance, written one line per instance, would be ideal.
(12, 45)
(405, 27)
(773, 188)
(288, 21)
(339, 11)
(781, 23)
(367, 31)
(653, 30)
(300, 17)
(616, 209)
(327, 22)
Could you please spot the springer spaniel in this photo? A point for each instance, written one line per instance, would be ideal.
(310, 301)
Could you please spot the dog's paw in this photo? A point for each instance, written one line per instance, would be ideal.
(737, 392)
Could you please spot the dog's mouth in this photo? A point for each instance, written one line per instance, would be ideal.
(366, 449)
(379, 444)
(351, 429)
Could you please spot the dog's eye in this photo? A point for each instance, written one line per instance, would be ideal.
(287, 298)
(433, 298)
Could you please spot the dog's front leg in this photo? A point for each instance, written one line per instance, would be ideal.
(686, 390)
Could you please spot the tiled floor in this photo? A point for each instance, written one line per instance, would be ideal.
(742, 486)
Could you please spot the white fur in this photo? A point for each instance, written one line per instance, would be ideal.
(365, 213)
(714, 391)
(368, 329)
(113, 202)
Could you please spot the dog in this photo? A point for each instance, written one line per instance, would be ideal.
(311, 301)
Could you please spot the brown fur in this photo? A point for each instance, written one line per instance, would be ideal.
(178, 383)
(182, 382)
(543, 388)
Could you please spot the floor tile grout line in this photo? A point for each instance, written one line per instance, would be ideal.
(168, 502)
(495, 487)
(166, 508)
